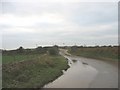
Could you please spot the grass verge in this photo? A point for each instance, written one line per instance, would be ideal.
(103, 53)
(33, 72)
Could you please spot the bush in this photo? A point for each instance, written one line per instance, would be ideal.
(74, 48)
(20, 50)
(41, 50)
(54, 50)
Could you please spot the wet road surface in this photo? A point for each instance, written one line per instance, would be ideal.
(86, 73)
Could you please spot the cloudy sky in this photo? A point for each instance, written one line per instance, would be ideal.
(48, 22)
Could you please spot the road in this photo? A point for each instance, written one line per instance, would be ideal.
(86, 73)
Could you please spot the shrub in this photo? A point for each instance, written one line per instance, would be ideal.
(41, 50)
(54, 50)
(20, 50)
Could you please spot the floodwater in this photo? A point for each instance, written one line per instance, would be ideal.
(87, 73)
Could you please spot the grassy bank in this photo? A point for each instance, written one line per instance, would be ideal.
(103, 53)
(31, 71)
(18, 57)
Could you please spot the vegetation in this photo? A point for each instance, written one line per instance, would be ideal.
(54, 51)
(97, 52)
(22, 54)
(31, 70)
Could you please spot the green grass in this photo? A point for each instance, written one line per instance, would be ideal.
(17, 57)
(103, 53)
(33, 72)
(0, 59)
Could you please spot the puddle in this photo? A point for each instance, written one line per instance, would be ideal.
(84, 63)
(77, 76)
(74, 60)
(86, 73)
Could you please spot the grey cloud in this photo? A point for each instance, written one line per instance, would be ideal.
(80, 19)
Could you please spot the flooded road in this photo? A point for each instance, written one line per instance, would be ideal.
(86, 73)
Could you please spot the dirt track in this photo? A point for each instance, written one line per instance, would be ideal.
(87, 73)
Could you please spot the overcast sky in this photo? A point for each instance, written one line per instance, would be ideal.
(43, 22)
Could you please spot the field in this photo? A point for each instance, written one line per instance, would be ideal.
(34, 68)
(103, 53)
(31, 71)
(17, 58)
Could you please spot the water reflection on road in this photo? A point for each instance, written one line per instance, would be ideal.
(86, 73)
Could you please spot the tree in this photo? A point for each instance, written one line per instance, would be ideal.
(20, 49)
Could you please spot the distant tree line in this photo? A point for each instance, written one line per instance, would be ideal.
(53, 50)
